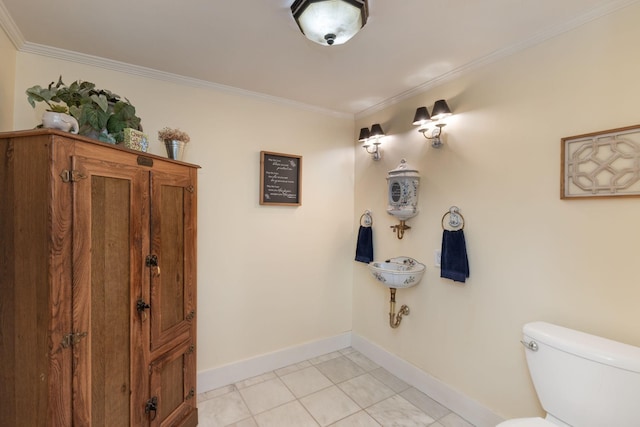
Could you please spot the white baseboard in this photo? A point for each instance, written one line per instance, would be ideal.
(212, 379)
(467, 408)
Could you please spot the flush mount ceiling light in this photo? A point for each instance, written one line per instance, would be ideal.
(330, 22)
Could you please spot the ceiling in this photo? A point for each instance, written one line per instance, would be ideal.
(406, 47)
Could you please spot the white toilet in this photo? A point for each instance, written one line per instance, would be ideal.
(581, 380)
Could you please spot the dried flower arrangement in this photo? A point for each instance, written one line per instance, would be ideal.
(169, 134)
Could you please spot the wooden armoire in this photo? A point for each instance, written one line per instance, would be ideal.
(97, 284)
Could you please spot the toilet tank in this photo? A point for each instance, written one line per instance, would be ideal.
(584, 380)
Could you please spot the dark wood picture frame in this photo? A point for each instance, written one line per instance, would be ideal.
(280, 179)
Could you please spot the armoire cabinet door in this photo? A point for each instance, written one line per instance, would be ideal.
(172, 266)
(173, 388)
(110, 373)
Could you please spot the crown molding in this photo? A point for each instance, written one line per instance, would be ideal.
(550, 33)
(123, 67)
(9, 26)
(13, 32)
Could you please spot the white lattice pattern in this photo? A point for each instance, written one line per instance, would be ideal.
(603, 165)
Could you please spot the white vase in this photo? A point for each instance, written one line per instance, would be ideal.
(62, 121)
(175, 149)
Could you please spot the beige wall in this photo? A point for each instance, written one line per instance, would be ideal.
(532, 255)
(7, 77)
(268, 277)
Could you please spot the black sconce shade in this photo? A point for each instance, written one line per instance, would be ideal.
(364, 134)
(421, 117)
(376, 131)
(440, 110)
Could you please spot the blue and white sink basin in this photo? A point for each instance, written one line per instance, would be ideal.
(399, 272)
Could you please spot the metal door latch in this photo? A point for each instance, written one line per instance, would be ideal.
(72, 339)
(151, 406)
(72, 175)
(141, 305)
(151, 261)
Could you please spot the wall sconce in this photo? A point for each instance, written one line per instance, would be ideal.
(329, 22)
(422, 119)
(372, 139)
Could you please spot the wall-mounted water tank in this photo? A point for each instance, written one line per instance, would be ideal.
(403, 183)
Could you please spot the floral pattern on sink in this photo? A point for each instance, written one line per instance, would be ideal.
(399, 272)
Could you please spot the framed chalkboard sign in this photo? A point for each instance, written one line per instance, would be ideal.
(280, 179)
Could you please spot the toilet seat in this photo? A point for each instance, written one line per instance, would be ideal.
(527, 422)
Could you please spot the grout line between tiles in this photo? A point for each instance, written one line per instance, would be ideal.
(365, 365)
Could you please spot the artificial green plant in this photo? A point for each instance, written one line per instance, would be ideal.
(101, 114)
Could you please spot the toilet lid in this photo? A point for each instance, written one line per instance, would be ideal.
(527, 422)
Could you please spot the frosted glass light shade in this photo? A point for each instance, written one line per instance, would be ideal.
(330, 22)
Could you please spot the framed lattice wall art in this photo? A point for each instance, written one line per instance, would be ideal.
(601, 164)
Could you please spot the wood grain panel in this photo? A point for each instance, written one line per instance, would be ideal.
(172, 384)
(172, 250)
(107, 263)
(172, 307)
(75, 228)
(110, 301)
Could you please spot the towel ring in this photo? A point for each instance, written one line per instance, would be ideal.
(368, 221)
(456, 220)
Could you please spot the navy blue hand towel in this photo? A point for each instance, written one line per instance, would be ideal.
(454, 264)
(364, 248)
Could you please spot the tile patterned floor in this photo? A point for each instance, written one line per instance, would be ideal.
(339, 389)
